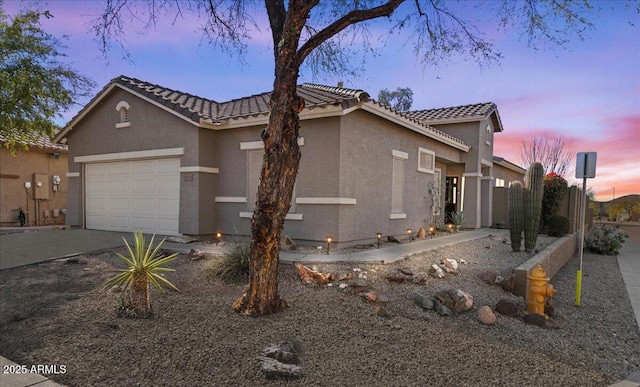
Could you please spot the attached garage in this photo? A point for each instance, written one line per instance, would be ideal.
(138, 195)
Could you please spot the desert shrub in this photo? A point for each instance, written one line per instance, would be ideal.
(557, 226)
(234, 265)
(554, 189)
(606, 240)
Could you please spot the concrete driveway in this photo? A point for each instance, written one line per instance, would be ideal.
(25, 248)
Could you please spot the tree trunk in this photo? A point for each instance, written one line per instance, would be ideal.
(140, 297)
(279, 171)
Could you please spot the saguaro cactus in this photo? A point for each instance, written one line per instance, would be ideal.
(533, 205)
(516, 215)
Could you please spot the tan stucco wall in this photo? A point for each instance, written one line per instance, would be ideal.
(151, 128)
(13, 194)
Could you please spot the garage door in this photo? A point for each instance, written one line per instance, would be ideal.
(141, 195)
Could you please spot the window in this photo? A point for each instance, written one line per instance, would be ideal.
(426, 160)
(123, 108)
(397, 184)
(499, 182)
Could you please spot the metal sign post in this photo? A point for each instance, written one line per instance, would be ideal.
(585, 168)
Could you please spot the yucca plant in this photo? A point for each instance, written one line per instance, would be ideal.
(145, 267)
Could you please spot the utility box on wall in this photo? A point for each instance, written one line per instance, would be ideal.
(40, 186)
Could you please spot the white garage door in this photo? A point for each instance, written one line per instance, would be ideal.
(139, 195)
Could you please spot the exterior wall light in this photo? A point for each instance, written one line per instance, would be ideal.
(379, 235)
(329, 239)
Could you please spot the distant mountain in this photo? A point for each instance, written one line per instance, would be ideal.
(632, 197)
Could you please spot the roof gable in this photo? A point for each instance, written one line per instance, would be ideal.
(463, 113)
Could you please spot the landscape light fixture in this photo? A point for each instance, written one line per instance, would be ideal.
(329, 239)
(450, 227)
(409, 231)
(432, 231)
(218, 237)
(379, 235)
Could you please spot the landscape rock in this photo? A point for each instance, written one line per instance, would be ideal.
(343, 286)
(509, 284)
(406, 271)
(456, 300)
(181, 239)
(420, 278)
(535, 319)
(451, 264)
(279, 361)
(274, 369)
(441, 309)
(288, 243)
(196, 254)
(486, 315)
(382, 312)
(397, 278)
(361, 283)
(421, 233)
(507, 308)
(498, 280)
(309, 276)
(489, 276)
(423, 301)
(345, 277)
(436, 271)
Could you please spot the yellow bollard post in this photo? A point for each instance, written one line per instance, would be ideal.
(578, 286)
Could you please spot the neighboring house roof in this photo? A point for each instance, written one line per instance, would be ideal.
(464, 113)
(255, 108)
(508, 164)
(37, 141)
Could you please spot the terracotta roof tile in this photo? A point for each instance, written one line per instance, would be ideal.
(209, 110)
(479, 110)
(37, 141)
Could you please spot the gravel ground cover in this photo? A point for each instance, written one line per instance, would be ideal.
(56, 313)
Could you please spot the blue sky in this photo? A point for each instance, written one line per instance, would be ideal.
(588, 92)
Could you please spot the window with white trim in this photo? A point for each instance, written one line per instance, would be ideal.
(397, 181)
(499, 182)
(426, 160)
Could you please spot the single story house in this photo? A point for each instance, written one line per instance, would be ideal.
(145, 157)
(33, 181)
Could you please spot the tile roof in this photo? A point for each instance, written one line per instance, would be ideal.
(478, 110)
(37, 141)
(197, 108)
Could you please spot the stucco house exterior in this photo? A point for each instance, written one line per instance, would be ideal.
(144, 157)
(27, 183)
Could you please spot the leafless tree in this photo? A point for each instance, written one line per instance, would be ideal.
(318, 34)
(552, 152)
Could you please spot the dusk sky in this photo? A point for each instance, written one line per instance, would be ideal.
(588, 91)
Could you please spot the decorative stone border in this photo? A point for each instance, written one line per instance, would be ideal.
(552, 259)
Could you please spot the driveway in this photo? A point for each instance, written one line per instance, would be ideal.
(26, 248)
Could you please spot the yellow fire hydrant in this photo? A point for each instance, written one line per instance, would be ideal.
(539, 290)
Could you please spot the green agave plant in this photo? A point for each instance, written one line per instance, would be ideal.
(145, 267)
(457, 218)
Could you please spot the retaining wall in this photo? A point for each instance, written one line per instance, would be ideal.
(552, 259)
